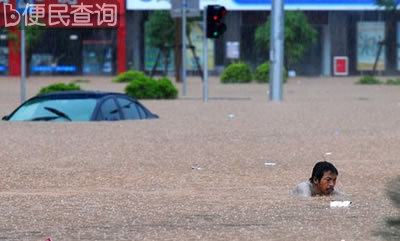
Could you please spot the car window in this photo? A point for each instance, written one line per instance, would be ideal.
(109, 110)
(129, 109)
(141, 111)
(41, 108)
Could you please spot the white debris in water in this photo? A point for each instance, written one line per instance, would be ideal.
(196, 168)
(231, 116)
(340, 204)
(336, 132)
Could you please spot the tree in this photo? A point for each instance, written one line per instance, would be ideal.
(390, 7)
(33, 34)
(164, 33)
(161, 32)
(299, 35)
(388, 4)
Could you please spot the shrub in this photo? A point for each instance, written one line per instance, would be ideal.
(262, 74)
(167, 89)
(148, 88)
(129, 76)
(59, 87)
(369, 80)
(393, 82)
(80, 81)
(144, 88)
(237, 73)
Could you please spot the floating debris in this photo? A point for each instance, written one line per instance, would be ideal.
(340, 204)
(231, 116)
(326, 155)
(336, 132)
(196, 168)
(270, 164)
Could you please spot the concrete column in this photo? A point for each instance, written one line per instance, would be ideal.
(135, 40)
(326, 51)
(338, 33)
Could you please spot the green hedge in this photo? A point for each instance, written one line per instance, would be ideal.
(393, 82)
(167, 89)
(128, 76)
(237, 73)
(148, 88)
(369, 80)
(262, 74)
(59, 87)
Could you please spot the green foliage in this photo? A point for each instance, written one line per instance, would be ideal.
(33, 34)
(369, 80)
(299, 35)
(148, 88)
(262, 74)
(145, 88)
(129, 76)
(167, 89)
(388, 4)
(160, 29)
(237, 73)
(80, 81)
(393, 82)
(59, 87)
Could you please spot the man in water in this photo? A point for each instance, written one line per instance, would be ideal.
(322, 181)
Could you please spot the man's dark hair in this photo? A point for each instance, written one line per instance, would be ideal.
(320, 168)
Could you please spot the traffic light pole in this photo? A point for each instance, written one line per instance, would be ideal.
(276, 50)
(23, 60)
(205, 56)
(183, 63)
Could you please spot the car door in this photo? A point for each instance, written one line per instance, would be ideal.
(130, 110)
(109, 110)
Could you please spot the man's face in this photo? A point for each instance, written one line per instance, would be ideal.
(326, 184)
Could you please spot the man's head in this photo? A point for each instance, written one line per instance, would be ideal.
(323, 177)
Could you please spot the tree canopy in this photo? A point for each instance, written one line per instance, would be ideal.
(299, 35)
(160, 29)
(388, 4)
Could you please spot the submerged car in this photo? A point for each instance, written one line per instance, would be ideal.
(80, 106)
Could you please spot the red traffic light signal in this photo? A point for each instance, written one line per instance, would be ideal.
(215, 27)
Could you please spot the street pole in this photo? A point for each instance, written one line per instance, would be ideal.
(276, 50)
(205, 56)
(23, 62)
(184, 6)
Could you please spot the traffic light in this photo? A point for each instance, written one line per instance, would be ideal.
(215, 27)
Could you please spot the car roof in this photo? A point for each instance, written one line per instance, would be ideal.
(78, 94)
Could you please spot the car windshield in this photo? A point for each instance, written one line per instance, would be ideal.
(41, 109)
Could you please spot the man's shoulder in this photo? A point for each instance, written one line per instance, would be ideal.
(303, 189)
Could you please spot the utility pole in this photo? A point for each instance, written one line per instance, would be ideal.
(276, 49)
(23, 60)
(183, 62)
(205, 56)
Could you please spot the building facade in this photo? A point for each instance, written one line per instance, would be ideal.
(350, 29)
(73, 37)
(354, 30)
